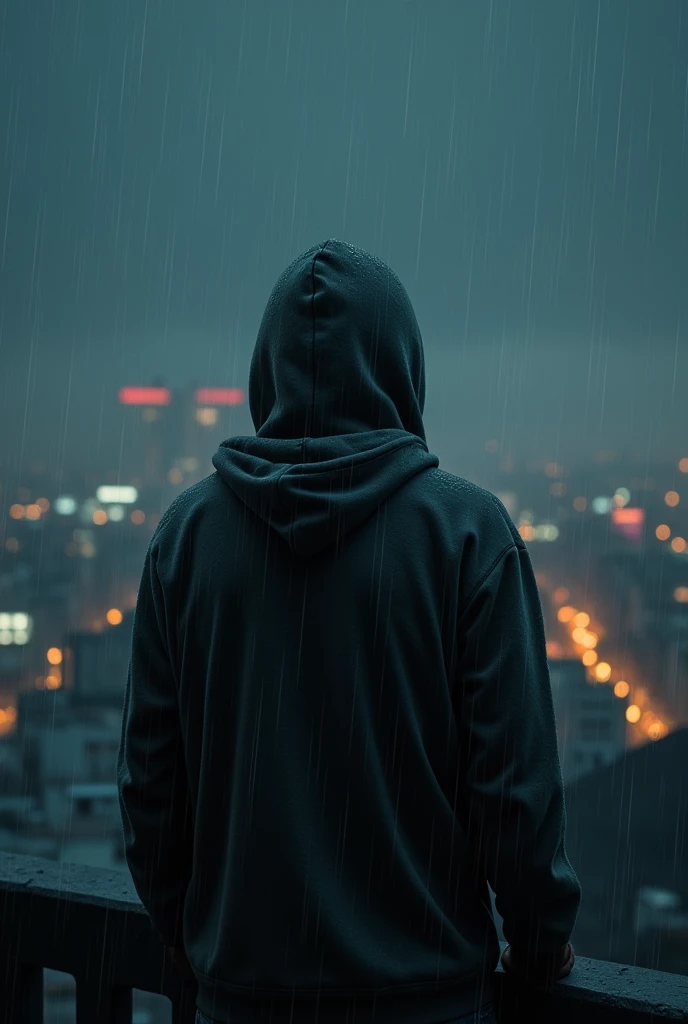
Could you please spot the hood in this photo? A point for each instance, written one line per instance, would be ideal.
(336, 394)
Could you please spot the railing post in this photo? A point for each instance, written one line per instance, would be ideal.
(23, 985)
(100, 1004)
(184, 1005)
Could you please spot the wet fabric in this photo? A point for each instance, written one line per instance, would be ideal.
(338, 724)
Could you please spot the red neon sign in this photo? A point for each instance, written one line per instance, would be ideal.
(219, 396)
(629, 522)
(144, 396)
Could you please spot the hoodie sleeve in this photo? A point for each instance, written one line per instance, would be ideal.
(513, 797)
(151, 769)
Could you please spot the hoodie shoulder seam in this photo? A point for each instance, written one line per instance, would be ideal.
(178, 504)
(485, 577)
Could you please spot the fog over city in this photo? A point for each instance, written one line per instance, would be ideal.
(524, 169)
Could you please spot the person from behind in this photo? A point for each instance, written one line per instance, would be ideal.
(338, 725)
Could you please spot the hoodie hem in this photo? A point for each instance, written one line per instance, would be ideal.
(402, 1004)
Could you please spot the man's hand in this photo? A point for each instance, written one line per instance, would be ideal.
(180, 961)
(530, 973)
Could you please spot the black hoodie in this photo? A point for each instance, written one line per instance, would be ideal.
(338, 723)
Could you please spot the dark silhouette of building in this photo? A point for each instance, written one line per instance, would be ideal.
(627, 838)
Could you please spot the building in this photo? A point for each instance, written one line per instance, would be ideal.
(68, 746)
(170, 435)
(626, 840)
(96, 664)
(591, 722)
(649, 593)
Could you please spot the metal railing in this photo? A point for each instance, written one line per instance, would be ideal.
(89, 922)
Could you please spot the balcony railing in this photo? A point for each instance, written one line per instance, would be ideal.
(89, 922)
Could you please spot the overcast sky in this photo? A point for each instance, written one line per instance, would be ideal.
(523, 166)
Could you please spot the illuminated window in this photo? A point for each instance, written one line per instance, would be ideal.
(108, 495)
(206, 416)
(15, 628)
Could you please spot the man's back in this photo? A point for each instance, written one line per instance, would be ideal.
(352, 644)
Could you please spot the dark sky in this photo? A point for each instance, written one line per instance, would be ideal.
(523, 166)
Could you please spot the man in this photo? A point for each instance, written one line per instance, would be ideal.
(338, 724)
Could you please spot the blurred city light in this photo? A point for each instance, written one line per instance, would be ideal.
(206, 416)
(53, 680)
(219, 396)
(116, 495)
(144, 396)
(65, 505)
(629, 522)
(15, 628)
(546, 531)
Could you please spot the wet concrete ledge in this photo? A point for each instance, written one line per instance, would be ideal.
(90, 923)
